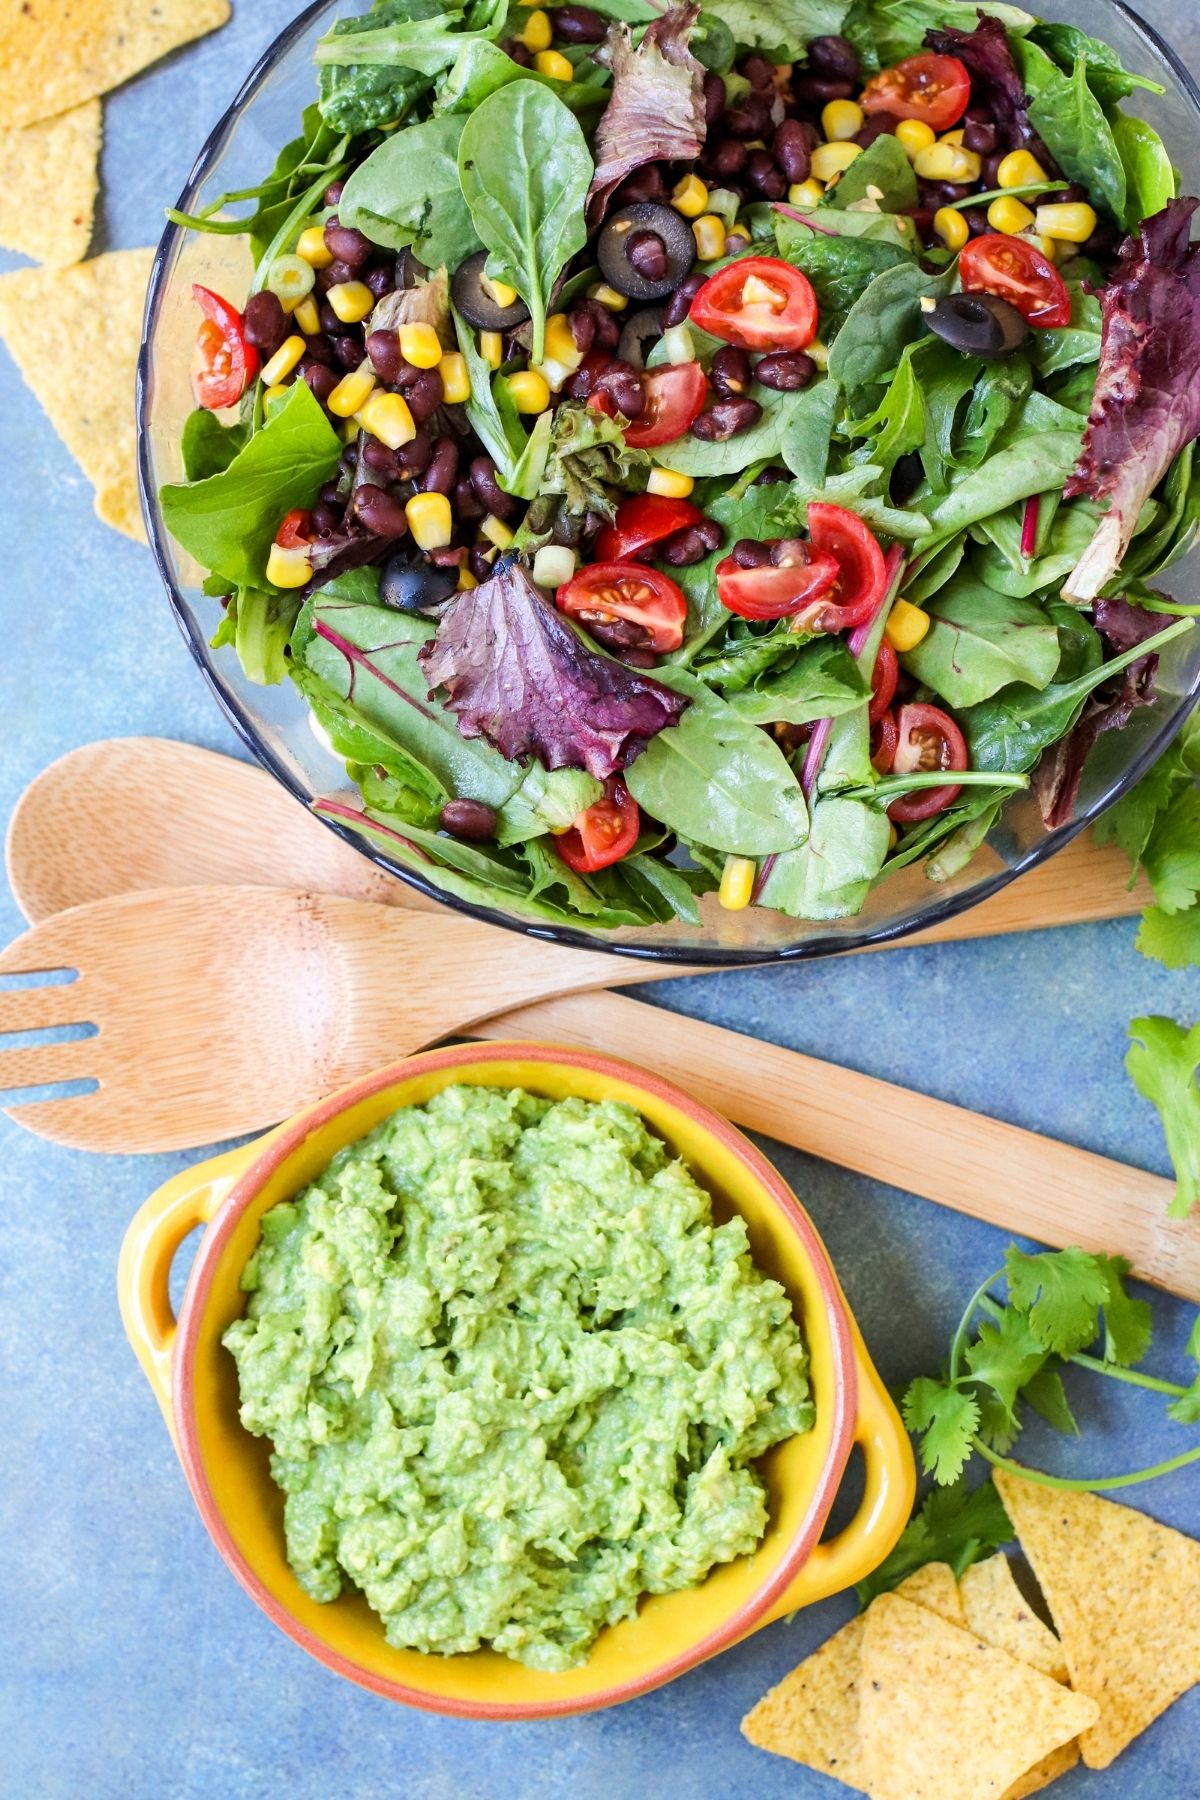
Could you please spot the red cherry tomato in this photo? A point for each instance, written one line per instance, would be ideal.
(225, 363)
(862, 570)
(927, 739)
(674, 396)
(788, 321)
(885, 735)
(934, 89)
(602, 834)
(883, 682)
(297, 529)
(772, 592)
(605, 592)
(641, 523)
(1016, 271)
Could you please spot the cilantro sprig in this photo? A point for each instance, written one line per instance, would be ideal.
(1063, 1308)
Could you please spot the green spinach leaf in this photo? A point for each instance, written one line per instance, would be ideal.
(355, 96)
(878, 329)
(407, 192)
(886, 167)
(207, 447)
(482, 67)
(821, 681)
(1036, 464)
(763, 442)
(1107, 78)
(1149, 173)
(1072, 123)
(830, 876)
(980, 641)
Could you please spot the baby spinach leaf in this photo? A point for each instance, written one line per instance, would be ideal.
(357, 744)
(1149, 173)
(228, 520)
(946, 378)
(830, 876)
(525, 169)
(805, 442)
(742, 656)
(841, 254)
(821, 681)
(482, 67)
(1107, 78)
(1070, 345)
(857, 490)
(547, 800)
(900, 25)
(407, 192)
(884, 166)
(1073, 125)
(356, 97)
(259, 626)
(207, 447)
(1037, 464)
(880, 325)
(980, 641)
(763, 442)
(935, 571)
(1000, 392)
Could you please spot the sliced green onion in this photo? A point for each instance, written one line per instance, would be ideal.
(290, 279)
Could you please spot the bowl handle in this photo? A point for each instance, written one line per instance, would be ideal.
(143, 1273)
(887, 1500)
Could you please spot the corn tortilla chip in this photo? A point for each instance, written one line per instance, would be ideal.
(56, 53)
(1042, 1774)
(48, 182)
(812, 1715)
(98, 303)
(997, 1611)
(1124, 1592)
(946, 1717)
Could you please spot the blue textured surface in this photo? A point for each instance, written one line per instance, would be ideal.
(133, 1665)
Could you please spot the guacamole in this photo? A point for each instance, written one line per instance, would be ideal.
(513, 1374)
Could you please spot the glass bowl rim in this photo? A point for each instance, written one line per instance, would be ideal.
(937, 913)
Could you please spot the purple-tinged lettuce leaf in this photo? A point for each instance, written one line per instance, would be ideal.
(517, 675)
(656, 109)
(996, 84)
(1147, 402)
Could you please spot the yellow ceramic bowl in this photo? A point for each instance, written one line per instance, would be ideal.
(196, 1385)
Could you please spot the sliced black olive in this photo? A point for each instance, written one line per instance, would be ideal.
(476, 304)
(639, 333)
(673, 233)
(980, 325)
(410, 270)
(415, 586)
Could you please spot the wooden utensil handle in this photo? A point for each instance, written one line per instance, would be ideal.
(1030, 1185)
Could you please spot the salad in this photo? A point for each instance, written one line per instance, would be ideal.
(678, 450)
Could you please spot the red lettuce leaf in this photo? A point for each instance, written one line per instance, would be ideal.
(996, 85)
(656, 109)
(519, 676)
(1147, 402)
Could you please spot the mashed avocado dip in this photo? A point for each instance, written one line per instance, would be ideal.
(513, 1374)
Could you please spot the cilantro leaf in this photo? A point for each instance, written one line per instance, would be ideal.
(1172, 857)
(1186, 1410)
(954, 1526)
(1128, 1324)
(1006, 1355)
(1172, 939)
(1048, 1398)
(1162, 1066)
(948, 1417)
(1062, 1292)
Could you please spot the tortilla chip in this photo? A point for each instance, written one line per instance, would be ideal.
(945, 1717)
(48, 182)
(1124, 1592)
(1059, 1762)
(90, 403)
(812, 1715)
(997, 1611)
(54, 54)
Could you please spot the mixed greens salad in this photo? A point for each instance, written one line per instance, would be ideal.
(676, 450)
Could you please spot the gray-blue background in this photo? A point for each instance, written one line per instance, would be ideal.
(131, 1663)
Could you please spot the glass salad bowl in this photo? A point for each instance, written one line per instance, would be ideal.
(273, 722)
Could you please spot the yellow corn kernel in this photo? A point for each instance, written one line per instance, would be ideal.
(951, 227)
(288, 568)
(893, 837)
(737, 883)
(819, 353)
(948, 162)
(420, 346)
(670, 484)
(690, 197)
(915, 135)
(806, 193)
(456, 382)
(1010, 216)
(709, 233)
(1049, 247)
(560, 345)
(350, 394)
(553, 65)
(466, 581)
(491, 348)
(429, 520)
(351, 301)
(496, 532)
(276, 392)
(842, 120)
(349, 430)
(312, 247)
(831, 160)
(307, 317)
(499, 291)
(1020, 168)
(906, 626)
(530, 391)
(284, 360)
(608, 297)
(386, 416)
(538, 33)
(1070, 222)
(952, 137)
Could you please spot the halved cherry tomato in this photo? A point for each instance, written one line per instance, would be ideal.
(885, 735)
(883, 682)
(602, 834)
(934, 89)
(928, 739)
(226, 363)
(862, 570)
(296, 530)
(1016, 271)
(605, 592)
(642, 522)
(772, 592)
(675, 397)
(758, 322)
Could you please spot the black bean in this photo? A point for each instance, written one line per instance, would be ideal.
(330, 323)
(748, 553)
(978, 223)
(764, 173)
(381, 280)
(348, 350)
(334, 192)
(466, 504)
(750, 118)
(877, 125)
(979, 135)
(319, 349)
(644, 184)
(518, 52)
(472, 819)
(440, 476)
(331, 494)
(691, 545)
(379, 512)
(819, 90)
(265, 322)
(834, 56)
(423, 390)
(383, 348)
(770, 475)
(991, 171)
(321, 380)
(639, 658)
(447, 556)
(726, 419)
(726, 156)
(647, 254)
(335, 275)
(593, 326)
(377, 457)
(736, 242)
(326, 519)
(759, 71)
(413, 458)
(618, 635)
(478, 562)
(678, 306)
(714, 98)
(623, 385)
(794, 148)
(785, 370)
(729, 372)
(488, 490)
(348, 245)
(789, 553)
(1102, 242)
(941, 193)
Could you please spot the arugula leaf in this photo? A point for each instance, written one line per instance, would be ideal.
(979, 641)
(407, 192)
(1162, 1064)
(897, 426)
(954, 1525)
(949, 1418)
(1072, 124)
(1038, 463)
(821, 681)
(1062, 1292)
